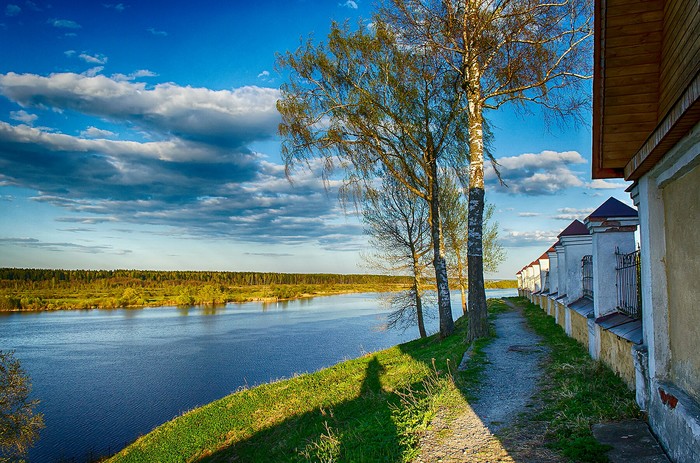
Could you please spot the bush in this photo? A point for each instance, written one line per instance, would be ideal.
(20, 425)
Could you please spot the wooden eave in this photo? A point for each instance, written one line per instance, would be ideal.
(627, 54)
(646, 84)
(683, 116)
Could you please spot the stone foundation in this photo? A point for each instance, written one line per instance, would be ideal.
(616, 353)
(579, 327)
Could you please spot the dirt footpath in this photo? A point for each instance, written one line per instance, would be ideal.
(483, 432)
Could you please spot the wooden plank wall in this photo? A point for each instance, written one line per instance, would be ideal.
(633, 40)
(680, 52)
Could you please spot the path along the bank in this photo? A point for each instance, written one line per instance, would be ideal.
(482, 432)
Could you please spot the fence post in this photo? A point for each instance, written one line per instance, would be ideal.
(612, 227)
(576, 242)
(553, 277)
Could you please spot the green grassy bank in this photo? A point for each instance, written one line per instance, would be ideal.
(366, 409)
(372, 409)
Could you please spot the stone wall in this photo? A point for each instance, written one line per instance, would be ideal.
(561, 315)
(579, 328)
(683, 272)
(616, 353)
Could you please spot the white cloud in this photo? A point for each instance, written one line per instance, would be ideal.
(23, 116)
(230, 118)
(94, 132)
(97, 58)
(528, 214)
(570, 213)
(517, 238)
(537, 174)
(70, 53)
(64, 24)
(196, 173)
(600, 184)
(133, 76)
(264, 74)
(157, 32)
(92, 72)
(118, 7)
(349, 4)
(61, 246)
(12, 10)
(174, 150)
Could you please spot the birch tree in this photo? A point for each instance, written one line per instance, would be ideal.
(365, 102)
(398, 225)
(455, 220)
(518, 52)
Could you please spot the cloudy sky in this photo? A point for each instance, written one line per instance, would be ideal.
(143, 135)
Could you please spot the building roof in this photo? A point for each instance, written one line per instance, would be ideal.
(544, 257)
(613, 208)
(575, 228)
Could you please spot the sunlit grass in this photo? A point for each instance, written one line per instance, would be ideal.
(368, 409)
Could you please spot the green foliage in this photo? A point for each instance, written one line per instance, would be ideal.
(19, 424)
(501, 284)
(580, 391)
(366, 105)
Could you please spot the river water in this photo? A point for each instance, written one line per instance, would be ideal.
(105, 377)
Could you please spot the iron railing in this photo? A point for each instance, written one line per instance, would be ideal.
(629, 295)
(587, 264)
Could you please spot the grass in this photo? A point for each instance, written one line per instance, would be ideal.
(367, 409)
(373, 409)
(577, 392)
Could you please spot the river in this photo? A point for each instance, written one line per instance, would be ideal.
(105, 377)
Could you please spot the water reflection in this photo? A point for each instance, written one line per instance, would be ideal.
(212, 309)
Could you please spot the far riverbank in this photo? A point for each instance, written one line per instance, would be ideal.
(50, 290)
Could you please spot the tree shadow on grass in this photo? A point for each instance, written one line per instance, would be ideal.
(364, 428)
(358, 430)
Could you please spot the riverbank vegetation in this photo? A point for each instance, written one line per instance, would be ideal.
(46, 289)
(42, 289)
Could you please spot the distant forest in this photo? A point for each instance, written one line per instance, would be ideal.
(48, 289)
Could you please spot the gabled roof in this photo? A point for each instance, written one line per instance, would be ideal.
(543, 257)
(613, 208)
(575, 228)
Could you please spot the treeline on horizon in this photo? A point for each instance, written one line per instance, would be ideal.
(57, 289)
(54, 276)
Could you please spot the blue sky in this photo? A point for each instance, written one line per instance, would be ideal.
(143, 135)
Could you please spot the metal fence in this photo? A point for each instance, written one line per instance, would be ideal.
(629, 296)
(587, 264)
